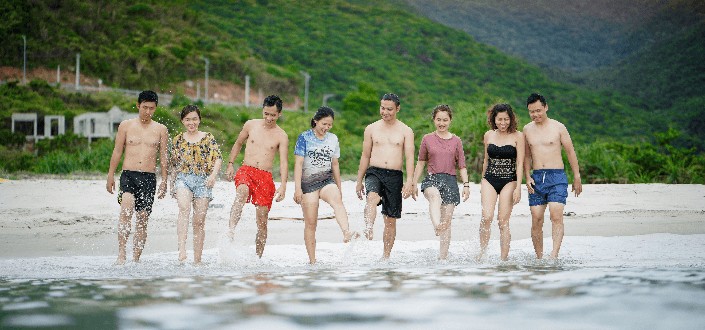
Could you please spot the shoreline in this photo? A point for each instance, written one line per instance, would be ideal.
(44, 217)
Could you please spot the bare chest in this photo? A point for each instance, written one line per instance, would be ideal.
(138, 136)
(546, 138)
(263, 140)
(390, 140)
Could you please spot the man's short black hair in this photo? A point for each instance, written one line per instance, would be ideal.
(148, 96)
(391, 97)
(273, 100)
(535, 97)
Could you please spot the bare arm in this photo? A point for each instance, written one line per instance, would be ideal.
(298, 173)
(521, 149)
(120, 139)
(484, 161)
(214, 173)
(364, 161)
(237, 146)
(163, 160)
(420, 164)
(409, 148)
(336, 174)
(527, 164)
(283, 166)
(573, 160)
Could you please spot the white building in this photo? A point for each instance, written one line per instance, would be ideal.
(100, 124)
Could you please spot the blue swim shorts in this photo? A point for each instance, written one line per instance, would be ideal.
(194, 183)
(550, 186)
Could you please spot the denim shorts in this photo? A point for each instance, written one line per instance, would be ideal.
(194, 183)
(550, 186)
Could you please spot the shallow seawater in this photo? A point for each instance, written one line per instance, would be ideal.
(408, 292)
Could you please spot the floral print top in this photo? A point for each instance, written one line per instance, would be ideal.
(195, 158)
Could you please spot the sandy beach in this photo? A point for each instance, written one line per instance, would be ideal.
(54, 217)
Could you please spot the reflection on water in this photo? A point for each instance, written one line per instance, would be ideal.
(438, 296)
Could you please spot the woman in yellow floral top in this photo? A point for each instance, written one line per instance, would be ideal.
(195, 163)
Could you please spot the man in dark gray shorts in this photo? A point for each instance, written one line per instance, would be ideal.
(387, 146)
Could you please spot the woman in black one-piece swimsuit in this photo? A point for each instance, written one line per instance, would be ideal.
(504, 161)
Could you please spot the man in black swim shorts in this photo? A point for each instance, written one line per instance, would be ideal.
(142, 141)
(388, 145)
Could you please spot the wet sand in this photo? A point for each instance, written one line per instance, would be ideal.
(54, 217)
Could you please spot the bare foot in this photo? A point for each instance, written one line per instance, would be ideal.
(312, 262)
(182, 256)
(348, 235)
(120, 261)
(231, 235)
(479, 256)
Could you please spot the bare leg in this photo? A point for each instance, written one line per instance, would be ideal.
(557, 228)
(446, 217)
(200, 209)
(309, 206)
(241, 193)
(127, 208)
(434, 207)
(505, 211)
(390, 234)
(537, 213)
(331, 195)
(261, 240)
(184, 198)
(371, 213)
(140, 238)
(488, 198)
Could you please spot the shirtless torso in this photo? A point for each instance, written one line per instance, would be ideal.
(142, 141)
(262, 144)
(387, 143)
(544, 142)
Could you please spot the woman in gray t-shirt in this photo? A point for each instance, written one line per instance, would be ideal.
(317, 177)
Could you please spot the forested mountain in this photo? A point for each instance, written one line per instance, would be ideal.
(340, 43)
(651, 51)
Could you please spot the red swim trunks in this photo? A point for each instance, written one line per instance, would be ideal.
(260, 183)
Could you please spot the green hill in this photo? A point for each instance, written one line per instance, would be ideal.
(651, 52)
(356, 50)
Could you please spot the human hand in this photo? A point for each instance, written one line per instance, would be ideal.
(229, 172)
(281, 193)
(577, 186)
(530, 185)
(516, 197)
(162, 190)
(406, 191)
(210, 181)
(110, 184)
(298, 196)
(466, 193)
(360, 190)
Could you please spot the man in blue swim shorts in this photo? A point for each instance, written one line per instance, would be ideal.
(548, 184)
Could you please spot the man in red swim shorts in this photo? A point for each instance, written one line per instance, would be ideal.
(253, 180)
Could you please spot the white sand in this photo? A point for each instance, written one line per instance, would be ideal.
(50, 217)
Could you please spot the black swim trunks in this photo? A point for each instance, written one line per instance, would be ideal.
(387, 184)
(446, 184)
(142, 185)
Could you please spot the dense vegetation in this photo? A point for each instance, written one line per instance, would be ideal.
(601, 162)
(353, 49)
